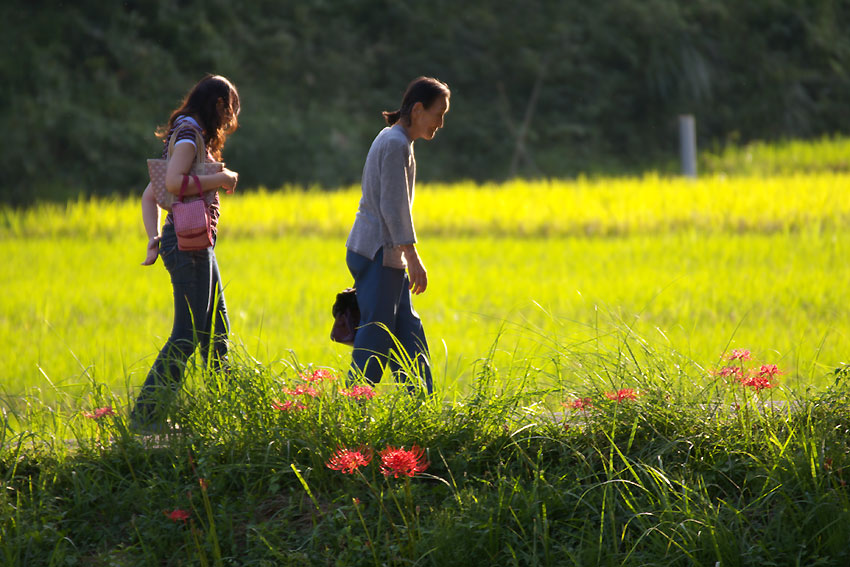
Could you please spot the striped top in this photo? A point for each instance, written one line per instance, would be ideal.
(187, 136)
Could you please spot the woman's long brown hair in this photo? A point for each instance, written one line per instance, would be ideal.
(217, 121)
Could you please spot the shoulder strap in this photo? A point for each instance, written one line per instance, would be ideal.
(200, 149)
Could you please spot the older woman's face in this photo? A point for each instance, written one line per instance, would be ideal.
(426, 121)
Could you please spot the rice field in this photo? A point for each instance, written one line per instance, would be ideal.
(692, 266)
(517, 209)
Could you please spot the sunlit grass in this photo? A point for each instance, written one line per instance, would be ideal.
(684, 468)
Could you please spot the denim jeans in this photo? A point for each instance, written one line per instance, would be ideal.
(200, 319)
(383, 295)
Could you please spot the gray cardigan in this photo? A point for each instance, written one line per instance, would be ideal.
(384, 217)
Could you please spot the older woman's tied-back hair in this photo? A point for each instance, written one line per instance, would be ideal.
(422, 89)
(202, 104)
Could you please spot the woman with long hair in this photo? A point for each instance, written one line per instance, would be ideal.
(210, 108)
(381, 247)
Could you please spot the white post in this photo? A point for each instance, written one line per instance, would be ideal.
(688, 144)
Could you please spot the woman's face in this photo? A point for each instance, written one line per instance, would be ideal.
(426, 121)
(229, 113)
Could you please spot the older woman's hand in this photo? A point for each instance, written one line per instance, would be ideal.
(415, 270)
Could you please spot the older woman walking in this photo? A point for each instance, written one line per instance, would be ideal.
(381, 248)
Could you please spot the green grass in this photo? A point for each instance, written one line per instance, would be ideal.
(789, 157)
(680, 475)
(539, 294)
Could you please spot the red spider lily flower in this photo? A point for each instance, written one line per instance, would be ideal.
(769, 370)
(177, 514)
(288, 405)
(348, 460)
(319, 376)
(401, 462)
(762, 378)
(739, 354)
(301, 390)
(579, 404)
(622, 394)
(100, 412)
(730, 372)
(359, 392)
(757, 382)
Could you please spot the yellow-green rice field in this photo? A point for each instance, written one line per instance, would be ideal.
(695, 266)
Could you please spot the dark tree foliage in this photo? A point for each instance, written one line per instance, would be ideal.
(542, 88)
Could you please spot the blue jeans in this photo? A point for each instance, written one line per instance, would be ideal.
(383, 295)
(200, 319)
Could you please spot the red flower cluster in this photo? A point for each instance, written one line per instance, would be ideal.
(757, 378)
(288, 405)
(587, 403)
(177, 514)
(761, 378)
(321, 375)
(401, 462)
(622, 394)
(739, 354)
(579, 404)
(348, 460)
(100, 412)
(730, 372)
(359, 392)
(394, 461)
(301, 390)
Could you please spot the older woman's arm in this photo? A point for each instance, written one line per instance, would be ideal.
(396, 209)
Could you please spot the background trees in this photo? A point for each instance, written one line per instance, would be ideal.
(542, 87)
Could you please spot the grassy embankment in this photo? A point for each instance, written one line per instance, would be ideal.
(543, 294)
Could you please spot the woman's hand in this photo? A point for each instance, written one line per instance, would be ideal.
(181, 163)
(230, 178)
(150, 218)
(153, 251)
(415, 270)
